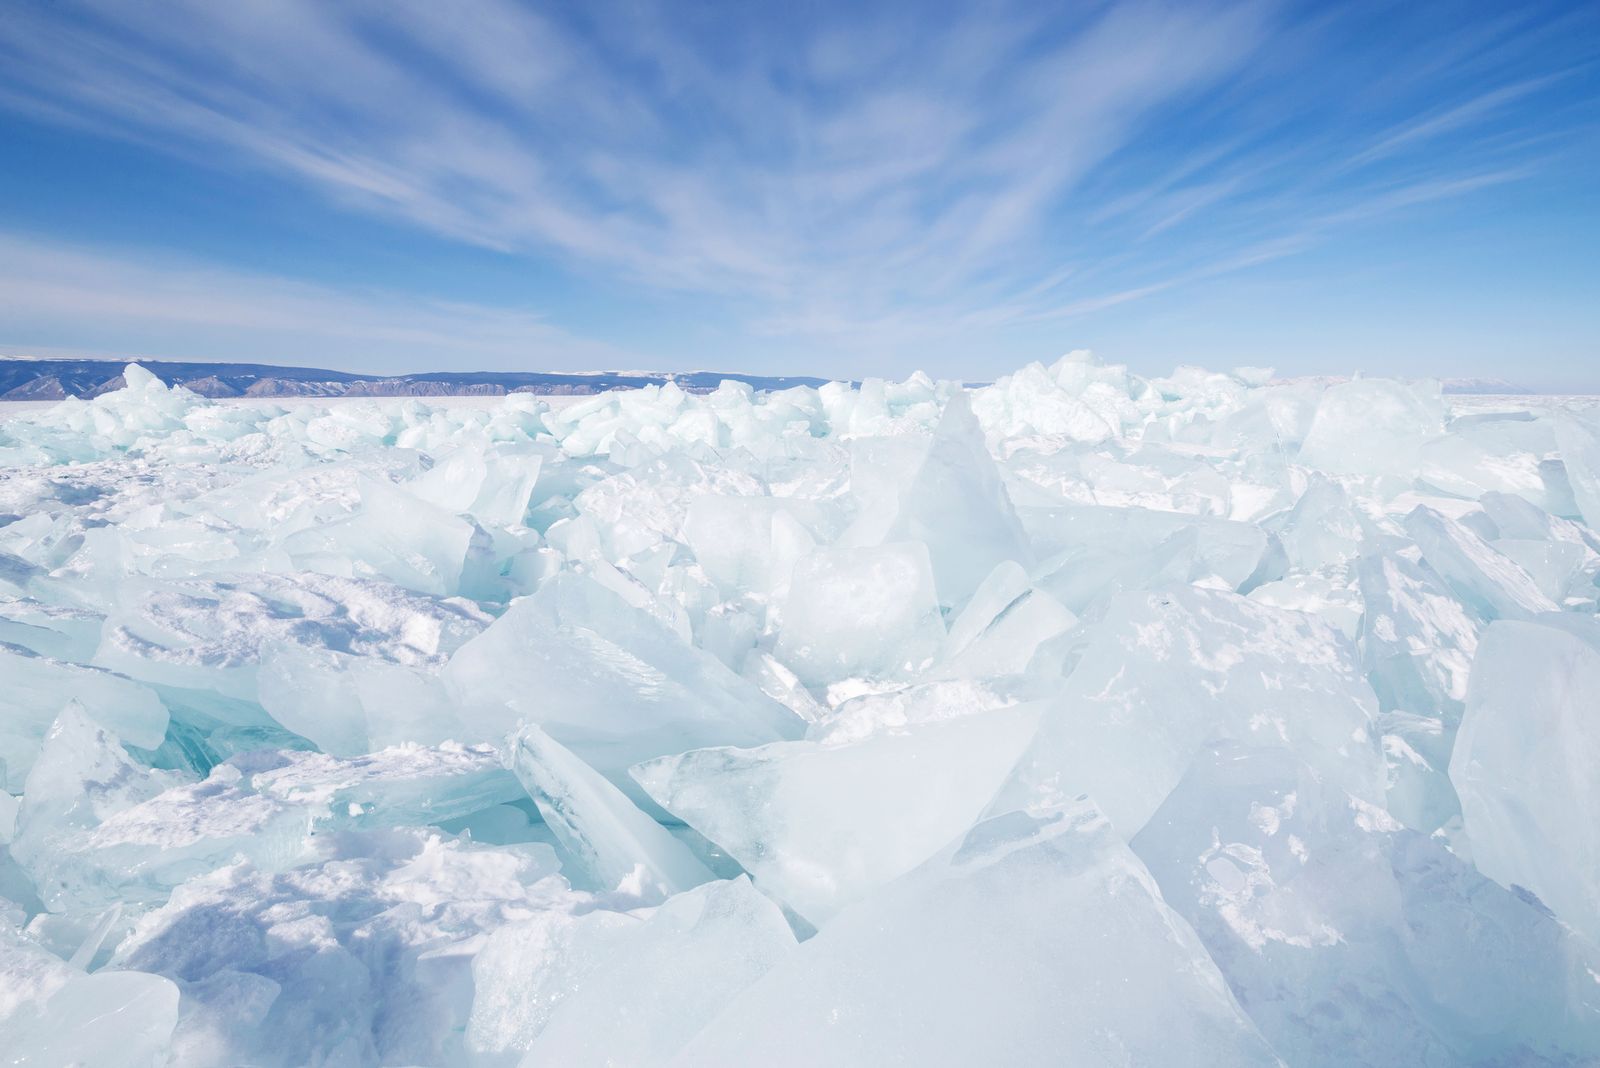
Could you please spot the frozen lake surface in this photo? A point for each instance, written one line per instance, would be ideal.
(1083, 718)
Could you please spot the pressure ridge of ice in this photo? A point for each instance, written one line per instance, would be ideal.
(1078, 719)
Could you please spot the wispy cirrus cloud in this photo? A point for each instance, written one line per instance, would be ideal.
(881, 175)
(173, 307)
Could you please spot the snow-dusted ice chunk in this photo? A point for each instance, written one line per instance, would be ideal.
(1323, 527)
(1526, 763)
(1516, 519)
(395, 536)
(114, 1019)
(29, 973)
(522, 974)
(1003, 623)
(1073, 400)
(398, 786)
(868, 611)
(1352, 941)
(351, 705)
(1482, 576)
(876, 711)
(614, 989)
(58, 632)
(1373, 427)
(677, 971)
(210, 633)
(82, 778)
(747, 543)
(1417, 639)
(1579, 441)
(492, 485)
(1035, 939)
(615, 843)
(370, 950)
(1553, 565)
(141, 852)
(1416, 750)
(264, 808)
(1165, 673)
(821, 825)
(33, 689)
(1091, 552)
(958, 507)
(1327, 594)
(605, 680)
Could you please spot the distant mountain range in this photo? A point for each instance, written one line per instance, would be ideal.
(24, 378)
(31, 378)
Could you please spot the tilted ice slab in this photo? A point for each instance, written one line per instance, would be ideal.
(622, 987)
(866, 611)
(37, 687)
(967, 960)
(605, 680)
(1162, 674)
(1351, 940)
(821, 825)
(613, 842)
(1527, 763)
(115, 1018)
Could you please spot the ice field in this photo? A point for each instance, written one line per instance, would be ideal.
(1079, 719)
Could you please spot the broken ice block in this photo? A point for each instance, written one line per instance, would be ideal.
(1037, 938)
(1526, 763)
(1091, 552)
(867, 612)
(612, 989)
(1165, 673)
(747, 543)
(1323, 528)
(958, 507)
(492, 485)
(1004, 622)
(1482, 576)
(33, 689)
(209, 633)
(822, 825)
(133, 834)
(352, 705)
(395, 536)
(1579, 441)
(597, 824)
(82, 778)
(605, 680)
(1373, 427)
(1417, 638)
(114, 1019)
(1350, 940)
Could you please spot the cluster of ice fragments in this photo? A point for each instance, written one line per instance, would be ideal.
(1080, 719)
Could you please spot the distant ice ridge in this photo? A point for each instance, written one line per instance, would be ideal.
(1083, 718)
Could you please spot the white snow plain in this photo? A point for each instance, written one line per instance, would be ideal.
(1079, 719)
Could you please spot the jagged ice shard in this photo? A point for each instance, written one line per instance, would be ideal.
(1080, 718)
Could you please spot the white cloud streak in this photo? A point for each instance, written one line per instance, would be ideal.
(171, 307)
(899, 176)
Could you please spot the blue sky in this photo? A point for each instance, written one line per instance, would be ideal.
(832, 188)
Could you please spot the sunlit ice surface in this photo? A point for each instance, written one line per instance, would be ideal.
(1081, 718)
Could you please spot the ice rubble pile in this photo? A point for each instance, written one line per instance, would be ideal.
(1078, 719)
